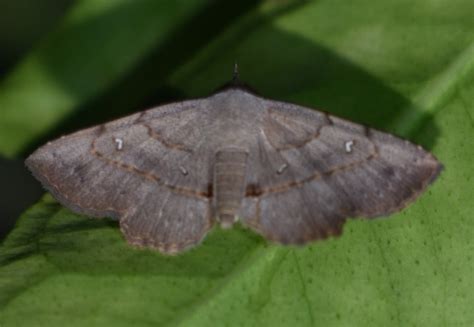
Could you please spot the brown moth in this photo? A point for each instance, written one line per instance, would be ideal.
(290, 173)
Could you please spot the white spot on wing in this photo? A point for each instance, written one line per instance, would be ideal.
(183, 170)
(119, 143)
(349, 145)
(282, 168)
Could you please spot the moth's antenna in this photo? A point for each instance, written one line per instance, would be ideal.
(235, 77)
(236, 83)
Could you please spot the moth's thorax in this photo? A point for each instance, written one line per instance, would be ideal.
(237, 115)
(236, 104)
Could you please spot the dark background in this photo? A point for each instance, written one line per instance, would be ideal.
(22, 25)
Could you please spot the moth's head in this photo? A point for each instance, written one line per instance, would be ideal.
(236, 83)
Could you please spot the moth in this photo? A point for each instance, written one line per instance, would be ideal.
(290, 173)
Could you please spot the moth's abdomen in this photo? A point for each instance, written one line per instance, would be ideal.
(229, 180)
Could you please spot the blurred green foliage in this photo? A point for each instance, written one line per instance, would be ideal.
(402, 66)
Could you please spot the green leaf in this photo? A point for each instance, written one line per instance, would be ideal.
(400, 66)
